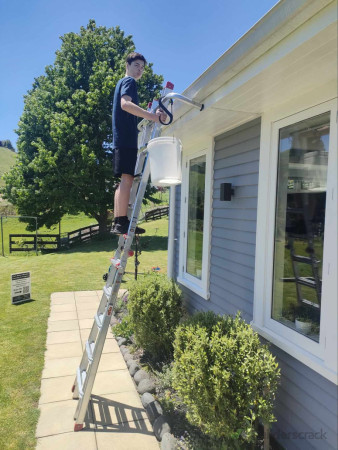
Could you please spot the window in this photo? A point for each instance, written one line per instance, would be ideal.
(196, 222)
(300, 224)
(295, 297)
(196, 197)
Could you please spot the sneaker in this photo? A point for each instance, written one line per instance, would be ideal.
(122, 228)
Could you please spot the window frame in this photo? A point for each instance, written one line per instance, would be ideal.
(198, 286)
(320, 356)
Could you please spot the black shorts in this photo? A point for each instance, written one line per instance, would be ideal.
(124, 161)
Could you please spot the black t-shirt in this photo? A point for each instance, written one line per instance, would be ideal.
(124, 124)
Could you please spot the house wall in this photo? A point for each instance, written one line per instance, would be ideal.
(233, 235)
(306, 401)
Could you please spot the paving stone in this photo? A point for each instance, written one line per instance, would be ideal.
(111, 361)
(62, 337)
(63, 325)
(112, 409)
(86, 323)
(168, 442)
(56, 389)
(113, 381)
(61, 367)
(145, 386)
(87, 313)
(63, 308)
(58, 418)
(63, 315)
(161, 426)
(146, 399)
(60, 350)
(140, 375)
(133, 368)
(128, 437)
(84, 440)
(154, 410)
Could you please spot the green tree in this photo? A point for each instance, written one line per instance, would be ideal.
(63, 163)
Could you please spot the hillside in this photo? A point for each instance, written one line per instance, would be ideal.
(7, 160)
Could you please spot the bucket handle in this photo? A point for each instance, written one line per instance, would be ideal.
(166, 111)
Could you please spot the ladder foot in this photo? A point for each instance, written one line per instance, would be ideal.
(78, 426)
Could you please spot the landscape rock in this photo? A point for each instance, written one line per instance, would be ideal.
(129, 362)
(121, 341)
(168, 442)
(140, 375)
(145, 386)
(161, 426)
(133, 368)
(127, 356)
(154, 410)
(146, 399)
(124, 349)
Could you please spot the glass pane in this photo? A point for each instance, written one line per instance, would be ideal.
(196, 216)
(299, 225)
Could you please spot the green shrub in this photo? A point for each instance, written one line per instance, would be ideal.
(155, 308)
(124, 328)
(224, 375)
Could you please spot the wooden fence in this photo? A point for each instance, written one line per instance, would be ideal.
(29, 242)
(157, 213)
(80, 235)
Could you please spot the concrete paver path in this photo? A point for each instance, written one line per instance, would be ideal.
(116, 418)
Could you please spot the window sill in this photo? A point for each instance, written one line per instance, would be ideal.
(194, 287)
(305, 357)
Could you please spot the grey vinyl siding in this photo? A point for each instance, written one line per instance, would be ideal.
(306, 403)
(233, 239)
(233, 235)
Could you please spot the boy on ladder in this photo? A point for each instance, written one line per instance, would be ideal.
(125, 113)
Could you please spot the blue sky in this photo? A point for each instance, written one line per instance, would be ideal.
(182, 38)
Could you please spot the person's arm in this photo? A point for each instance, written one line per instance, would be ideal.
(130, 107)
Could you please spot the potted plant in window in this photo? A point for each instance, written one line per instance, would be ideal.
(303, 321)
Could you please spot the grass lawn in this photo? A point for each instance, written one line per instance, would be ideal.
(12, 225)
(7, 160)
(23, 327)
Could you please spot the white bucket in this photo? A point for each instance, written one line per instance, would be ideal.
(165, 161)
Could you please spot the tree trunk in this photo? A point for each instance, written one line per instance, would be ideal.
(102, 220)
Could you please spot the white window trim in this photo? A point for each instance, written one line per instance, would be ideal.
(200, 287)
(322, 356)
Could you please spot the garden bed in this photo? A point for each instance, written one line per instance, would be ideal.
(159, 370)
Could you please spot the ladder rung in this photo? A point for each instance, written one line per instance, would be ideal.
(308, 302)
(115, 262)
(107, 291)
(80, 378)
(90, 350)
(98, 320)
(304, 259)
(305, 281)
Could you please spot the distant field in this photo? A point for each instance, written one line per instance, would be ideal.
(7, 160)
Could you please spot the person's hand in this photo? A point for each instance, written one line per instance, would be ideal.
(161, 115)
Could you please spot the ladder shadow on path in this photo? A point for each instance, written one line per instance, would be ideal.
(126, 419)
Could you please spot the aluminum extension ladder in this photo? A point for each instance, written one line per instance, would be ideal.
(86, 372)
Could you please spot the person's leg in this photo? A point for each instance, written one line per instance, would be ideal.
(122, 195)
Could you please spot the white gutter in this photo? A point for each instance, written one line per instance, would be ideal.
(171, 233)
